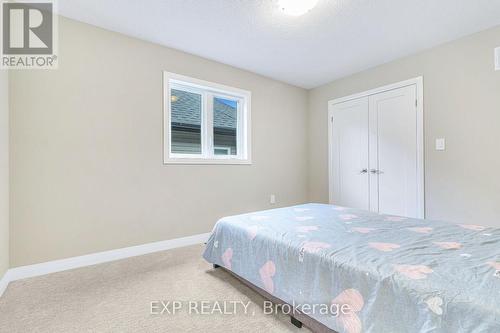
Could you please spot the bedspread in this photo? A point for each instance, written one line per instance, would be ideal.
(395, 274)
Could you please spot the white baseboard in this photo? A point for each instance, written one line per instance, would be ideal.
(4, 282)
(24, 272)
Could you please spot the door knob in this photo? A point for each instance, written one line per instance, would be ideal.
(364, 171)
(376, 172)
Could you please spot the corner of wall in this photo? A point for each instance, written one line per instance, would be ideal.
(4, 174)
(308, 145)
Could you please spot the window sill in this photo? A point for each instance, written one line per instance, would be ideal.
(215, 161)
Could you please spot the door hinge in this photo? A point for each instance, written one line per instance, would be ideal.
(416, 102)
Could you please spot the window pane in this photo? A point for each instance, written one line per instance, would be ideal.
(185, 122)
(225, 125)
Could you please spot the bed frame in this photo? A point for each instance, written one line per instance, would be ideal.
(299, 319)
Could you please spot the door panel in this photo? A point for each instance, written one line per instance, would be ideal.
(350, 154)
(393, 152)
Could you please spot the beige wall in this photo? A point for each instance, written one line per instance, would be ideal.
(86, 154)
(462, 104)
(4, 172)
(86, 144)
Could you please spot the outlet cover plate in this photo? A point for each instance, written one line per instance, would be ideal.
(440, 144)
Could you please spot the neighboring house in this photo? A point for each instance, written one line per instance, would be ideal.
(186, 128)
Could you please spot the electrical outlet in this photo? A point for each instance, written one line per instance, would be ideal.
(272, 199)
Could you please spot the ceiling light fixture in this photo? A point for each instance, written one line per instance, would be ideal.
(297, 7)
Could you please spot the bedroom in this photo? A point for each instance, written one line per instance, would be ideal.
(146, 123)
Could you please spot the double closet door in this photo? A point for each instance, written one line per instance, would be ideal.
(376, 160)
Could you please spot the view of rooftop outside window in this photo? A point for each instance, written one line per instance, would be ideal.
(185, 122)
(225, 125)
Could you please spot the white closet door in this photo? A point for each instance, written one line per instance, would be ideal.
(393, 152)
(349, 154)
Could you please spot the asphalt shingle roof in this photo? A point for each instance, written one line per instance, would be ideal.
(186, 109)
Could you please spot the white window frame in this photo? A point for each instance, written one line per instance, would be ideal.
(209, 91)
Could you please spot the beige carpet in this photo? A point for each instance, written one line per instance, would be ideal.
(117, 296)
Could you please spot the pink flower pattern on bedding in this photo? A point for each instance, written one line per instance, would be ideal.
(227, 256)
(252, 231)
(449, 245)
(266, 272)
(350, 320)
(347, 217)
(363, 230)
(384, 247)
(422, 230)
(314, 247)
(495, 265)
(414, 272)
(474, 227)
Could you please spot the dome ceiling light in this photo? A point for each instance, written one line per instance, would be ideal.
(297, 7)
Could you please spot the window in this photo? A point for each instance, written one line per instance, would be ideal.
(205, 123)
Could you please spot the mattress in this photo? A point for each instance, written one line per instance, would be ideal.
(374, 273)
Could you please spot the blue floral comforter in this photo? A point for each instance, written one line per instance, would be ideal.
(394, 274)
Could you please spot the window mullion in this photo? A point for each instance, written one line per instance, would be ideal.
(202, 124)
(210, 125)
(240, 128)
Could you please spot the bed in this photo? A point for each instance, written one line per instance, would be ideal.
(394, 274)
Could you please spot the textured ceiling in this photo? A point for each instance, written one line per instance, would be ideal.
(335, 39)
